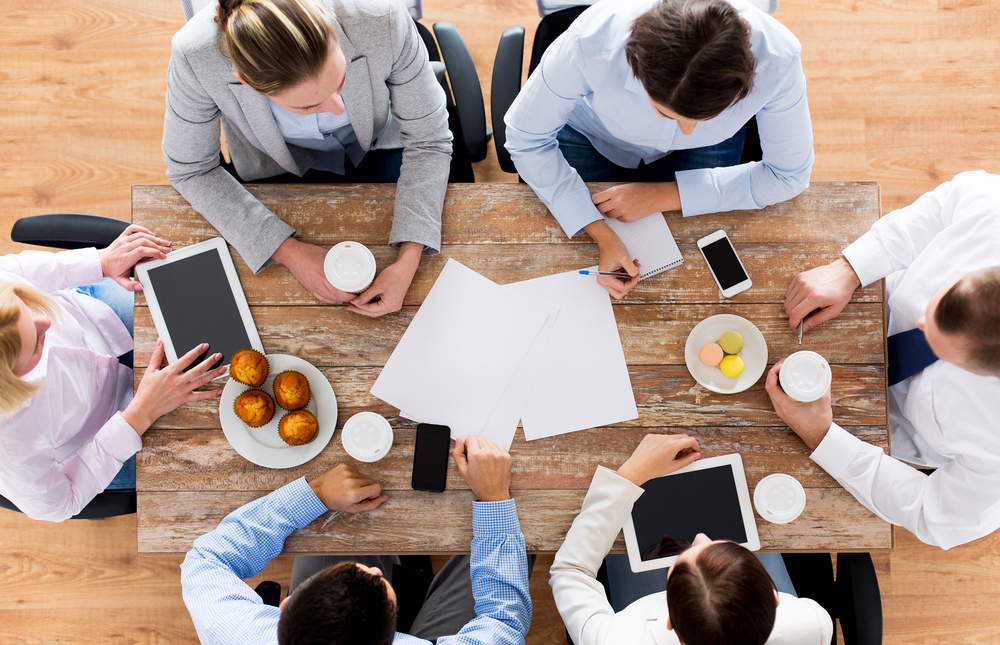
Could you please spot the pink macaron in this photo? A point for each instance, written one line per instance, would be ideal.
(711, 354)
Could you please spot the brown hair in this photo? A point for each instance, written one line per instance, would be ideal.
(971, 309)
(275, 44)
(340, 605)
(692, 56)
(725, 598)
(14, 391)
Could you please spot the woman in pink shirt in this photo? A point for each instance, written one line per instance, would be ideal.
(69, 425)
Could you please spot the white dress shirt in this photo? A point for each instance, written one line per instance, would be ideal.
(67, 442)
(942, 416)
(330, 135)
(585, 609)
(584, 80)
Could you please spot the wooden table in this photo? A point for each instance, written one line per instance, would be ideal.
(189, 478)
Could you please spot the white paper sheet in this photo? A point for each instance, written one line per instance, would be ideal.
(460, 352)
(650, 241)
(582, 380)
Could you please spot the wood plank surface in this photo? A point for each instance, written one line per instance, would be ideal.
(665, 395)
(771, 265)
(171, 521)
(650, 334)
(510, 214)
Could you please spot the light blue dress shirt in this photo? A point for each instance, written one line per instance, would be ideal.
(330, 135)
(226, 611)
(584, 80)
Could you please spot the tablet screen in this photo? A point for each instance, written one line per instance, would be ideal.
(676, 508)
(198, 306)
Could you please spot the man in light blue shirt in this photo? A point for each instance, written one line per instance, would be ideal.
(351, 602)
(659, 91)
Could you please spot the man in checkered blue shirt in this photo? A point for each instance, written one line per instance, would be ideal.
(477, 599)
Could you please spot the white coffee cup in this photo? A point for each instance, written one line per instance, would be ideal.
(779, 498)
(805, 376)
(350, 267)
(367, 436)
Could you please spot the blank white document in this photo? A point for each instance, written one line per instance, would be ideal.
(582, 380)
(650, 241)
(458, 356)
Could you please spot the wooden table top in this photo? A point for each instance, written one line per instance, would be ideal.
(189, 478)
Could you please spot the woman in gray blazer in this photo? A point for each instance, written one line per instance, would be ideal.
(338, 87)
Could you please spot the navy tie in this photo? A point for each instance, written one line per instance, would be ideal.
(908, 354)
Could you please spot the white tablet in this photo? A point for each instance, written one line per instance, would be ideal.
(710, 496)
(195, 297)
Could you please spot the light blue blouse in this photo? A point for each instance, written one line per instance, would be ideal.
(584, 80)
(331, 136)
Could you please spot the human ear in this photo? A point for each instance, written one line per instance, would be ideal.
(239, 78)
(281, 605)
(920, 323)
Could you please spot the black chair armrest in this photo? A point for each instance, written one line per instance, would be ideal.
(270, 592)
(505, 85)
(465, 88)
(860, 600)
(67, 230)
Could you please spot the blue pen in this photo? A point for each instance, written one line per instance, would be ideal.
(613, 274)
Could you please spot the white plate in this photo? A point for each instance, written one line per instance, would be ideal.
(754, 353)
(262, 445)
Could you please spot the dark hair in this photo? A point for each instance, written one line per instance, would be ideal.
(341, 605)
(971, 309)
(275, 44)
(725, 598)
(692, 56)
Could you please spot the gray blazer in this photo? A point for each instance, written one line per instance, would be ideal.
(391, 94)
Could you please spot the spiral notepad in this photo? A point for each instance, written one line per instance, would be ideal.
(650, 241)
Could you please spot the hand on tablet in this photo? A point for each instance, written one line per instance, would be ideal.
(811, 421)
(485, 466)
(344, 489)
(305, 261)
(163, 390)
(386, 294)
(134, 244)
(820, 294)
(659, 454)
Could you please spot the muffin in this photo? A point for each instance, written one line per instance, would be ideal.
(254, 408)
(297, 428)
(249, 367)
(291, 390)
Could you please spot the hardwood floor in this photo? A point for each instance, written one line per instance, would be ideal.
(902, 92)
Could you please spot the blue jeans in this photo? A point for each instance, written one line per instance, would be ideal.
(627, 587)
(593, 166)
(122, 302)
(377, 167)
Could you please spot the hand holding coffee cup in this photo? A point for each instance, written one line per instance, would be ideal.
(810, 420)
(350, 267)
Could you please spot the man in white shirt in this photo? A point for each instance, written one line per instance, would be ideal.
(658, 92)
(940, 257)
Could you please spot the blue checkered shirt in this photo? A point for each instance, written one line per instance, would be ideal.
(226, 611)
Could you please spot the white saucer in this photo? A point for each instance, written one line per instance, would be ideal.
(262, 445)
(754, 353)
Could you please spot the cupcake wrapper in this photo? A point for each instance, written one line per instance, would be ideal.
(254, 389)
(267, 363)
(276, 390)
(282, 437)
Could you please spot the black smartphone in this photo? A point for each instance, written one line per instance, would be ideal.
(430, 457)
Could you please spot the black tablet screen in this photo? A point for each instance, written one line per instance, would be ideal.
(676, 508)
(198, 306)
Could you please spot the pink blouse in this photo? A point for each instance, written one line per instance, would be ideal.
(67, 442)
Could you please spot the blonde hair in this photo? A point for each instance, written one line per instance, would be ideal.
(275, 44)
(14, 391)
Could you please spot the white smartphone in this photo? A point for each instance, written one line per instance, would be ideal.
(726, 267)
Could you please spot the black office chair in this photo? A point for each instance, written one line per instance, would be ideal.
(506, 81)
(853, 598)
(77, 231)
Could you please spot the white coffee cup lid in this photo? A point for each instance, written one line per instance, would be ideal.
(349, 266)
(779, 498)
(805, 376)
(367, 436)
